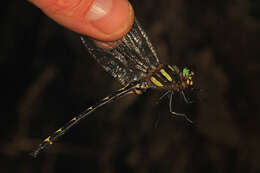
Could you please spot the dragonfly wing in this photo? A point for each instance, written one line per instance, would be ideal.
(130, 60)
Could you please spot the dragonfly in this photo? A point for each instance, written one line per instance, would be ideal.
(134, 62)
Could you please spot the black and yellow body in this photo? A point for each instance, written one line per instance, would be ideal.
(135, 64)
(167, 77)
(61, 131)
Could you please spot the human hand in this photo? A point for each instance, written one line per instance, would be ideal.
(105, 20)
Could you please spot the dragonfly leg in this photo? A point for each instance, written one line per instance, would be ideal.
(176, 114)
(161, 97)
(185, 98)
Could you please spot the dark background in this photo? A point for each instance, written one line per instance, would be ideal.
(47, 78)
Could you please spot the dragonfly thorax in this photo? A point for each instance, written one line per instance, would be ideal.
(170, 77)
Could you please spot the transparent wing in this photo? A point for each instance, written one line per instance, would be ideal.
(130, 60)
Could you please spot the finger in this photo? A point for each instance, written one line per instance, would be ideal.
(105, 20)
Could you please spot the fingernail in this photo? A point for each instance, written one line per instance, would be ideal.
(109, 16)
(99, 9)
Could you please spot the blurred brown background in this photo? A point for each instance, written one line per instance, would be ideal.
(47, 77)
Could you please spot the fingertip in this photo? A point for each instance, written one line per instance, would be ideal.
(105, 20)
(109, 20)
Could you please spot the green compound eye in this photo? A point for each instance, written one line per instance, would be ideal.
(186, 72)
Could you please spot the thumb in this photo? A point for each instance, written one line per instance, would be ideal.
(105, 20)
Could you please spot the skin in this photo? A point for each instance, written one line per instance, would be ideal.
(112, 23)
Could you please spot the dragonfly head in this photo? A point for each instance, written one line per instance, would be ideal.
(187, 75)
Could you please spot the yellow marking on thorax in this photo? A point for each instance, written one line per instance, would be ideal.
(90, 108)
(156, 82)
(48, 140)
(170, 67)
(165, 74)
(59, 130)
(74, 119)
(106, 98)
